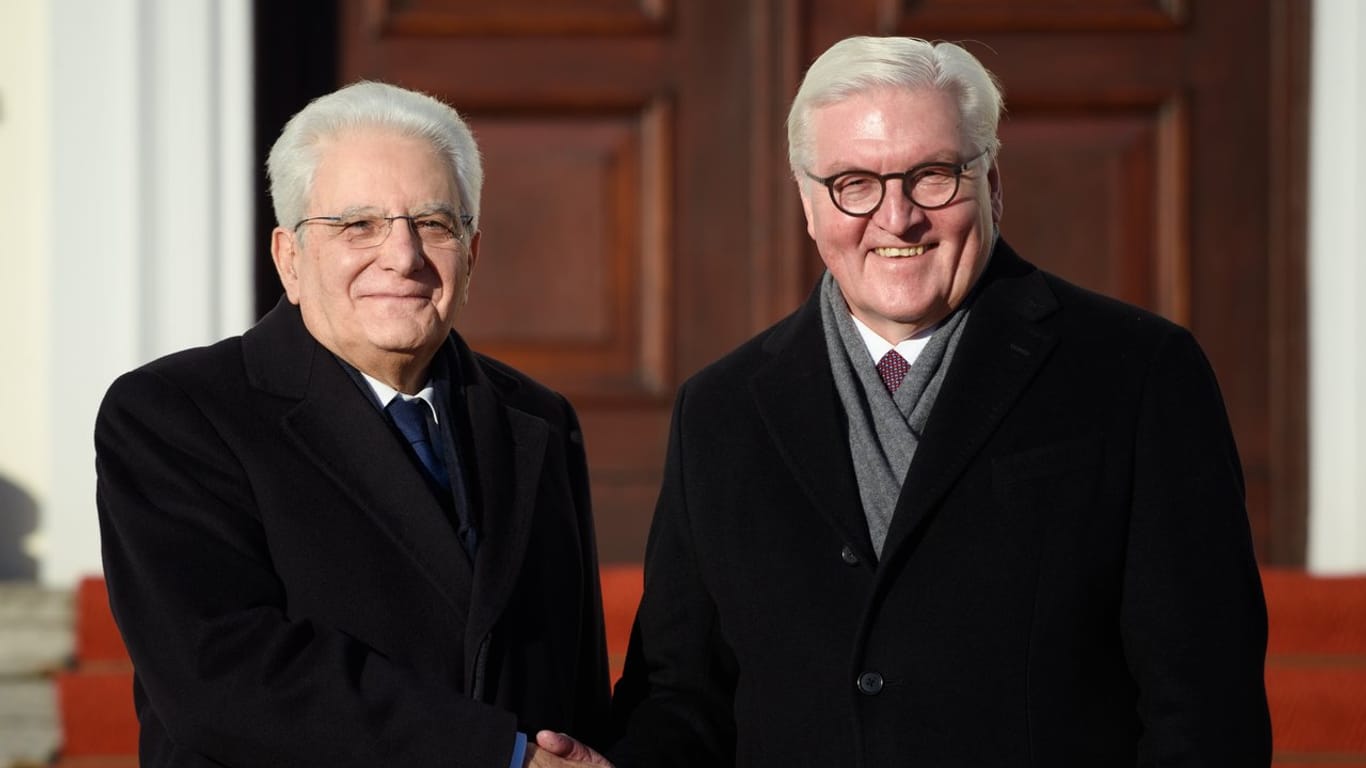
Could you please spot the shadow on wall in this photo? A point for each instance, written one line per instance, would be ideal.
(18, 520)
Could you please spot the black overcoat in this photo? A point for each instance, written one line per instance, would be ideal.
(1068, 579)
(292, 594)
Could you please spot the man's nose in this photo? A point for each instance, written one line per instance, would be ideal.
(897, 212)
(402, 249)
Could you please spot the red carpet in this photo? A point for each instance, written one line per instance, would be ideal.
(1316, 669)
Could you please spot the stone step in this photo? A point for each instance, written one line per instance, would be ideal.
(125, 761)
(36, 634)
(29, 727)
(36, 640)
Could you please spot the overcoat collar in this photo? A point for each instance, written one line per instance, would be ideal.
(794, 392)
(1003, 345)
(509, 453)
(348, 439)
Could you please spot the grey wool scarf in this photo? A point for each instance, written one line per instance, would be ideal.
(884, 430)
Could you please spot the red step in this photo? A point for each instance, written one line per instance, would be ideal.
(1315, 614)
(1316, 668)
(97, 637)
(1317, 708)
(622, 584)
(96, 706)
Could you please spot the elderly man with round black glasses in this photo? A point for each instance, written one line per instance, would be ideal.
(344, 538)
(953, 511)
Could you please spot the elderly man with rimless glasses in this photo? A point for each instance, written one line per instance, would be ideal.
(953, 511)
(344, 538)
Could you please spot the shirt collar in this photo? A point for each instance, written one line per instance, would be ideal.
(878, 346)
(386, 394)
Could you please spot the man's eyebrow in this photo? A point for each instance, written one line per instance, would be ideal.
(947, 157)
(950, 156)
(431, 208)
(358, 211)
(369, 210)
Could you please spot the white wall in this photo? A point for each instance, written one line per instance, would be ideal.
(25, 448)
(148, 171)
(1337, 285)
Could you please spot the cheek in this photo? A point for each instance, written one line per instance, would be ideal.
(838, 235)
(454, 279)
(970, 229)
(340, 275)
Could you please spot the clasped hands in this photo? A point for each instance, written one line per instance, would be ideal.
(557, 750)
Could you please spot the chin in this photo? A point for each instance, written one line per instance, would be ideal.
(405, 340)
(920, 315)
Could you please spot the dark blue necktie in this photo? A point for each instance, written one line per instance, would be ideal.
(410, 416)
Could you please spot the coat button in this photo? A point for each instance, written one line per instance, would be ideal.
(870, 683)
(848, 555)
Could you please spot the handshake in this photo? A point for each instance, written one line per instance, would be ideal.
(557, 749)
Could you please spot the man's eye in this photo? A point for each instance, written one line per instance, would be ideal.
(855, 184)
(933, 176)
(432, 225)
(360, 226)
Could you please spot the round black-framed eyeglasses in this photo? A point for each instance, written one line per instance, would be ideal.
(930, 186)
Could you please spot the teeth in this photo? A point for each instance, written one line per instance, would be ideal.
(900, 252)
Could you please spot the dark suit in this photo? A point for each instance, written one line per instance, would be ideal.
(1068, 579)
(291, 591)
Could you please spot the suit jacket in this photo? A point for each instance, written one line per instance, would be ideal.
(292, 593)
(1068, 579)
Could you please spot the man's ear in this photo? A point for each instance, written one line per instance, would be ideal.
(471, 259)
(474, 251)
(284, 251)
(805, 193)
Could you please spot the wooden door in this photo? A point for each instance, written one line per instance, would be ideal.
(639, 219)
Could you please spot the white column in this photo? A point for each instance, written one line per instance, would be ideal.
(1337, 290)
(24, 279)
(151, 212)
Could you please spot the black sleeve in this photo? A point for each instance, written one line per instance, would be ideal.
(674, 702)
(1193, 617)
(591, 692)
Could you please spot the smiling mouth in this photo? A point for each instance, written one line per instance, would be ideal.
(900, 253)
(397, 296)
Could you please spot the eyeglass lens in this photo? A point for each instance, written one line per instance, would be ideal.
(370, 231)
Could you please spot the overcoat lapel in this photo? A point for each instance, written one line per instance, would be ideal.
(349, 441)
(797, 401)
(510, 450)
(1002, 348)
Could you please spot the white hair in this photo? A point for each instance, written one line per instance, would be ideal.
(294, 158)
(858, 64)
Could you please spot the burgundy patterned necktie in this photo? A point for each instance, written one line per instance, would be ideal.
(892, 368)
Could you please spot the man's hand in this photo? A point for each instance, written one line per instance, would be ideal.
(553, 750)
